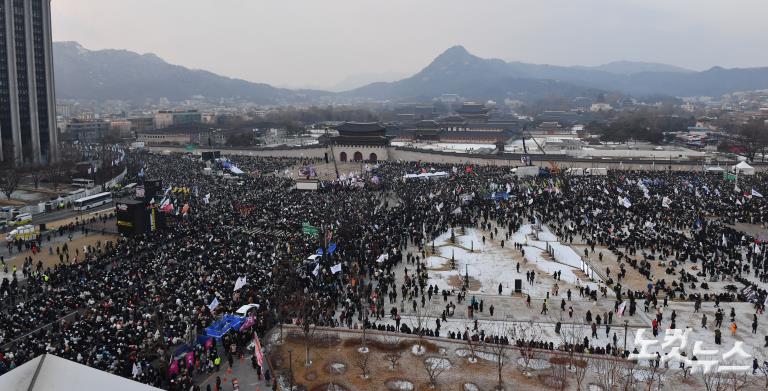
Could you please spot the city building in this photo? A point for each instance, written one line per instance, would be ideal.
(155, 138)
(27, 104)
(142, 124)
(87, 131)
(168, 118)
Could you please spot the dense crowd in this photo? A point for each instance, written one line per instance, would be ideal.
(126, 306)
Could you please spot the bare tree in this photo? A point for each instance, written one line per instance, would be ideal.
(580, 367)
(500, 352)
(526, 333)
(36, 174)
(738, 380)
(434, 367)
(419, 323)
(608, 374)
(393, 354)
(472, 344)
(308, 313)
(713, 380)
(763, 370)
(627, 372)
(361, 361)
(9, 181)
(653, 376)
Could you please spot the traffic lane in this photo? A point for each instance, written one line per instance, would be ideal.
(48, 217)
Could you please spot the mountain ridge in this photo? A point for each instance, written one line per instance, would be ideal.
(125, 75)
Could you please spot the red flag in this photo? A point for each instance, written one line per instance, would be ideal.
(190, 359)
(257, 350)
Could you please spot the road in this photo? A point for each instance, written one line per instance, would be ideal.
(48, 217)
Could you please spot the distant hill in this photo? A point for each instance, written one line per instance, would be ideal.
(125, 75)
(457, 71)
(633, 67)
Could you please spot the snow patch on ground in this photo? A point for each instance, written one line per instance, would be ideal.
(438, 363)
(418, 350)
(536, 364)
(400, 385)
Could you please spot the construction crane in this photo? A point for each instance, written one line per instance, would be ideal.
(525, 148)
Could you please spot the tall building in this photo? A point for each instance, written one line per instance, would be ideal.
(27, 104)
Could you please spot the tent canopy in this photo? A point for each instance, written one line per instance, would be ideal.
(744, 168)
(51, 373)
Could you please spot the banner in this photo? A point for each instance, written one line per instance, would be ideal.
(336, 268)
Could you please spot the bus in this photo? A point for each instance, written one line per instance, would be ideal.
(93, 201)
(83, 183)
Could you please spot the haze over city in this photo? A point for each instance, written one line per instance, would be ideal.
(344, 195)
(319, 44)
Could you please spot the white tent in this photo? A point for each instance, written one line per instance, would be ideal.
(743, 168)
(51, 373)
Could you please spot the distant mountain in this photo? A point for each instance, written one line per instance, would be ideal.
(125, 75)
(457, 71)
(633, 67)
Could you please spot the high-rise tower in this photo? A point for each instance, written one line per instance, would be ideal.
(28, 132)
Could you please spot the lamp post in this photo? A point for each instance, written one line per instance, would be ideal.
(626, 324)
(290, 367)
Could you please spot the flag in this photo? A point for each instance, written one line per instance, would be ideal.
(249, 321)
(666, 202)
(626, 202)
(317, 270)
(725, 242)
(336, 268)
(166, 206)
(257, 350)
(190, 359)
(240, 283)
(136, 371)
(622, 307)
(530, 201)
(174, 368)
(207, 199)
(214, 304)
(457, 211)
(756, 194)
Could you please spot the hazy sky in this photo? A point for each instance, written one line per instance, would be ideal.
(322, 42)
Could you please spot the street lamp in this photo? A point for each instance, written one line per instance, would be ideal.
(290, 367)
(626, 324)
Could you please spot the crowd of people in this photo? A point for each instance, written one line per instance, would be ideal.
(126, 306)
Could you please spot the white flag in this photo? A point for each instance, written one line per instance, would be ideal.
(725, 242)
(336, 268)
(136, 369)
(666, 202)
(622, 307)
(214, 304)
(457, 211)
(207, 198)
(756, 194)
(317, 270)
(240, 283)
